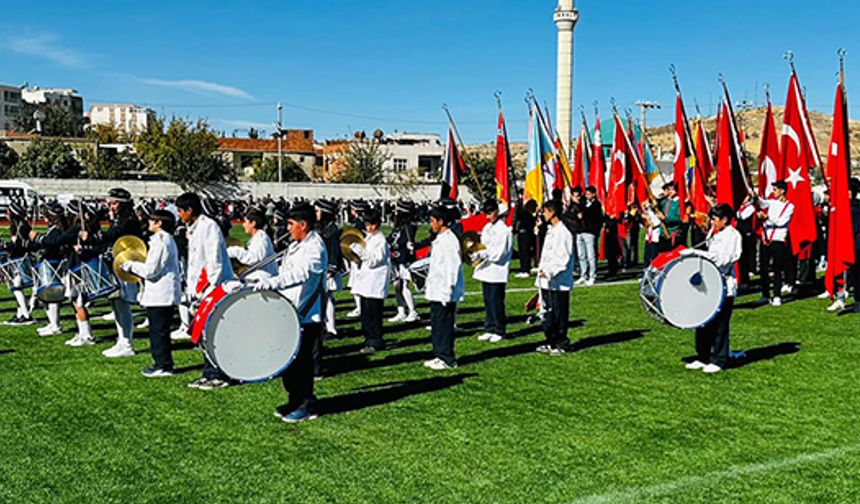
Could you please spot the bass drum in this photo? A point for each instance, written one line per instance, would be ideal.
(418, 271)
(682, 291)
(250, 336)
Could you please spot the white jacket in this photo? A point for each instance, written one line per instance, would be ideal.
(374, 273)
(206, 249)
(556, 259)
(258, 248)
(301, 274)
(778, 217)
(160, 273)
(724, 248)
(444, 282)
(498, 239)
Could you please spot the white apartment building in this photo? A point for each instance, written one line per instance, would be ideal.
(10, 106)
(124, 116)
(58, 97)
(408, 151)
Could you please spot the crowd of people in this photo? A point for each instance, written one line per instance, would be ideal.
(190, 253)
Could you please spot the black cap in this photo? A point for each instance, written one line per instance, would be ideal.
(119, 194)
(490, 206)
(18, 208)
(327, 206)
(405, 207)
(53, 208)
(211, 207)
(303, 212)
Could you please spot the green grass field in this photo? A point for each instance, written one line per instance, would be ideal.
(618, 420)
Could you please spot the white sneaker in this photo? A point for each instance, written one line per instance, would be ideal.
(494, 338)
(786, 289)
(824, 295)
(49, 330)
(429, 328)
(72, 341)
(144, 324)
(80, 341)
(581, 281)
(590, 282)
(180, 334)
(485, 337)
(711, 369)
(400, 317)
(695, 365)
(412, 317)
(121, 349)
(354, 313)
(837, 305)
(522, 274)
(111, 316)
(438, 364)
(776, 301)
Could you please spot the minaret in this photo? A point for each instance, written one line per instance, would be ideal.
(565, 19)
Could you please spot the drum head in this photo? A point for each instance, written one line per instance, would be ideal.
(691, 292)
(252, 336)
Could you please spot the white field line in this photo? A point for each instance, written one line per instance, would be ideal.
(636, 494)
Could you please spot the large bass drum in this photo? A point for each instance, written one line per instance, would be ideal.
(250, 336)
(682, 291)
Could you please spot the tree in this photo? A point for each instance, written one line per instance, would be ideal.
(253, 133)
(267, 171)
(185, 153)
(363, 162)
(49, 158)
(8, 158)
(58, 120)
(485, 170)
(110, 164)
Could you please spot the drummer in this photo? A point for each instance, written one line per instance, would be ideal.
(53, 253)
(402, 243)
(492, 271)
(371, 280)
(259, 245)
(724, 249)
(208, 267)
(82, 217)
(162, 289)
(301, 279)
(17, 248)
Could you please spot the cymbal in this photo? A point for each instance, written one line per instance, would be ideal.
(346, 242)
(128, 242)
(470, 243)
(122, 258)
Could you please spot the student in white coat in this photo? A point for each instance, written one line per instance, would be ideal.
(259, 245)
(443, 288)
(208, 267)
(492, 271)
(301, 278)
(555, 280)
(371, 280)
(162, 289)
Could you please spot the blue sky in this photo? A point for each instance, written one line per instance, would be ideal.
(344, 65)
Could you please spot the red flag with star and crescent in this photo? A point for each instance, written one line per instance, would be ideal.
(616, 192)
(503, 168)
(799, 157)
(768, 156)
(840, 236)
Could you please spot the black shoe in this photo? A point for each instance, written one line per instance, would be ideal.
(214, 383)
(16, 320)
(284, 410)
(156, 372)
(196, 383)
(26, 321)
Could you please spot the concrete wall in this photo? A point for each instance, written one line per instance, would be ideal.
(152, 189)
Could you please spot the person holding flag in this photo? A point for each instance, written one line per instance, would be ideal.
(776, 214)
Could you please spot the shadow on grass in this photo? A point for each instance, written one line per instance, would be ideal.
(763, 353)
(384, 393)
(7, 351)
(607, 339)
(187, 369)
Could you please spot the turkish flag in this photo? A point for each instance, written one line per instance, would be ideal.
(639, 188)
(453, 166)
(503, 168)
(768, 155)
(580, 159)
(799, 155)
(730, 168)
(616, 193)
(597, 172)
(682, 155)
(840, 236)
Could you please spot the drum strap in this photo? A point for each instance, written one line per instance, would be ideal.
(313, 299)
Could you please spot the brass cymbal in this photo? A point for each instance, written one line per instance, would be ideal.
(346, 242)
(122, 258)
(128, 242)
(470, 243)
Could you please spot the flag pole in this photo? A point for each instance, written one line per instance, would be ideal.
(511, 179)
(462, 148)
(742, 162)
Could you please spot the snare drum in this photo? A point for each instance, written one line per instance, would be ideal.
(94, 278)
(419, 270)
(49, 280)
(250, 336)
(682, 291)
(17, 273)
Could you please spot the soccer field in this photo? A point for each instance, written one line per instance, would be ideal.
(618, 420)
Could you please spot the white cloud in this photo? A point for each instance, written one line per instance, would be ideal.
(46, 45)
(200, 87)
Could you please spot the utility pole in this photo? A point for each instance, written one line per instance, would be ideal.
(643, 106)
(279, 126)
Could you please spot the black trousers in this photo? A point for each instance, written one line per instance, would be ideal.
(298, 379)
(712, 340)
(211, 371)
(556, 312)
(778, 254)
(525, 251)
(494, 307)
(160, 319)
(442, 330)
(746, 265)
(855, 282)
(371, 322)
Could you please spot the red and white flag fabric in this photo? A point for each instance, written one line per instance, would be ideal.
(799, 155)
(597, 171)
(503, 166)
(452, 167)
(616, 192)
(768, 156)
(840, 235)
(683, 153)
(704, 166)
(731, 168)
(580, 159)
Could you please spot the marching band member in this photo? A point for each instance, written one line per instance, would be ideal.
(724, 249)
(402, 244)
(162, 289)
(356, 209)
(555, 279)
(301, 279)
(371, 280)
(280, 233)
(53, 251)
(330, 233)
(776, 214)
(492, 271)
(670, 214)
(444, 288)
(82, 252)
(123, 222)
(18, 247)
(208, 267)
(259, 245)
(180, 237)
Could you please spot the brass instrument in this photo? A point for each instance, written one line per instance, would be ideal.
(348, 236)
(128, 248)
(470, 243)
